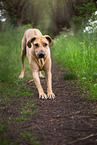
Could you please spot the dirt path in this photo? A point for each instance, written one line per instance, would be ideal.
(66, 120)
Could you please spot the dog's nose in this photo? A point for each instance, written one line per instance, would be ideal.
(41, 54)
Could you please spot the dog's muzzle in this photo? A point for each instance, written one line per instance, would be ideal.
(41, 54)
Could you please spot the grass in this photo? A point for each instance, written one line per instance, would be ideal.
(28, 135)
(3, 129)
(14, 93)
(10, 51)
(10, 63)
(78, 55)
(69, 76)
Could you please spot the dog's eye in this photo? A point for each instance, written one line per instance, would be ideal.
(45, 44)
(36, 45)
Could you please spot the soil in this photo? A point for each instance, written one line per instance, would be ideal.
(69, 119)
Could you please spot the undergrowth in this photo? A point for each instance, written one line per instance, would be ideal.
(77, 54)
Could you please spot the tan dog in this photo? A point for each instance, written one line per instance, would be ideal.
(36, 46)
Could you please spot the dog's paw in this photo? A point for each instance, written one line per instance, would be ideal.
(21, 76)
(51, 95)
(42, 96)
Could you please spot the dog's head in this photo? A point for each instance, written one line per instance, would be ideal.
(41, 45)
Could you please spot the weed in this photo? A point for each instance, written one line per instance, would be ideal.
(28, 135)
(26, 112)
(23, 118)
(35, 111)
(68, 83)
(31, 104)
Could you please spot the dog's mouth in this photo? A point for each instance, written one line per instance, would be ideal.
(41, 54)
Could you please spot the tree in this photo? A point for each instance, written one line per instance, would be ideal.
(15, 10)
(21, 11)
(83, 10)
(63, 12)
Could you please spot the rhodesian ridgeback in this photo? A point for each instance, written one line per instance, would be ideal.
(37, 48)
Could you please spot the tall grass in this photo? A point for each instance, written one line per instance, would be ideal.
(10, 54)
(78, 54)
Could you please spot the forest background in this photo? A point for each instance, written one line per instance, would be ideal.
(51, 16)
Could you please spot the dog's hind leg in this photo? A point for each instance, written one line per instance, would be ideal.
(23, 54)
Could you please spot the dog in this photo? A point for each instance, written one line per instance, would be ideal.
(37, 48)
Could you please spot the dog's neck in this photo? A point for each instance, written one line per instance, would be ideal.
(41, 62)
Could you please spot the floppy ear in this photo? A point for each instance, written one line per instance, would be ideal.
(30, 41)
(49, 39)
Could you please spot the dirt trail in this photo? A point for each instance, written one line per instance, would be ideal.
(68, 119)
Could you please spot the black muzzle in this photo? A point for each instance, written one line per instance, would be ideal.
(41, 54)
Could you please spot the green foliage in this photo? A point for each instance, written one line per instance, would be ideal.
(78, 55)
(87, 9)
(84, 13)
(10, 53)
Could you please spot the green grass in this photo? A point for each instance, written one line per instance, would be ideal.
(21, 119)
(69, 76)
(3, 139)
(27, 112)
(28, 135)
(78, 55)
(14, 92)
(10, 54)
(10, 63)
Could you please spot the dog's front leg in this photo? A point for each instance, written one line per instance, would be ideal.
(38, 85)
(50, 93)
